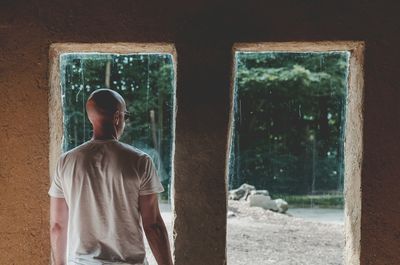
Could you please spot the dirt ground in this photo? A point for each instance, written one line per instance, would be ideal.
(260, 237)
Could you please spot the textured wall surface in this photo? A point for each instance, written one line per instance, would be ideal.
(203, 32)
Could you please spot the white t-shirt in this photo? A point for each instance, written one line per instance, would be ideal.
(101, 181)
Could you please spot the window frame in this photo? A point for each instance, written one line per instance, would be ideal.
(55, 92)
(353, 136)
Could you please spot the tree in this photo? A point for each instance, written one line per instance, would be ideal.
(288, 127)
(146, 83)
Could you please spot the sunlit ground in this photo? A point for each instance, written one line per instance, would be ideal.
(260, 237)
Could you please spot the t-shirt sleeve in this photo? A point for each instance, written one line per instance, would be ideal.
(56, 189)
(150, 182)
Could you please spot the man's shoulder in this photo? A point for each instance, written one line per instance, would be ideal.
(85, 149)
(129, 149)
(76, 149)
(73, 152)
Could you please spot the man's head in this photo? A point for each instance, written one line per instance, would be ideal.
(106, 110)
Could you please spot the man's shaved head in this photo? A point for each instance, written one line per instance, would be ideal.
(104, 108)
(105, 102)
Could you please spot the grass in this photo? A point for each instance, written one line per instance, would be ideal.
(310, 201)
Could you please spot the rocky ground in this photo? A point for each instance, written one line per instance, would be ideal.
(261, 237)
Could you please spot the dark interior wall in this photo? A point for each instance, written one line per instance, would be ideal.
(203, 32)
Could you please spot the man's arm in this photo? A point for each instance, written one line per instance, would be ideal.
(154, 229)
(58, 230)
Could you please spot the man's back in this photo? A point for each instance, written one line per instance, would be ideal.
(101, 181)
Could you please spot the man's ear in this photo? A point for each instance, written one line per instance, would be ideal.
(116, 117)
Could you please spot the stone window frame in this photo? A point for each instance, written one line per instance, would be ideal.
(354, 120)
(353, 143)
(55, 97)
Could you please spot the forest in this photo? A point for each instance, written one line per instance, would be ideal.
(289, 111)
(145, 81)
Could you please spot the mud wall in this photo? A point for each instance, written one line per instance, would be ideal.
(203, 33)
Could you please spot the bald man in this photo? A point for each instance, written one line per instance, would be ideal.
(103, 192)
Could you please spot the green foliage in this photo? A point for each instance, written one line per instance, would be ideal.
(289, 116)
(146, 83)
(309, 201)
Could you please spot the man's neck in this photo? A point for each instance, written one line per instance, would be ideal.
(104, 135)
(103, 138)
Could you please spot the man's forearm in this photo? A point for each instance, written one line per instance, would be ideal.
(58, 237)
(157, 237)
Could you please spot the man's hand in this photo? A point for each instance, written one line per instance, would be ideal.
(58, 229)
(154, 229)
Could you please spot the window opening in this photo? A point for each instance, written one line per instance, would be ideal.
(287, 142)
(146, 82)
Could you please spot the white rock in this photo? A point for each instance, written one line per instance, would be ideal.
(236, 194)
(265, 202)
(231, 214)
(260, 192)
(241, 193)
(282, 205)
(248, 187)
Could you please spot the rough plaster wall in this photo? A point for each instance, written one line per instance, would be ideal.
(204, 32)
